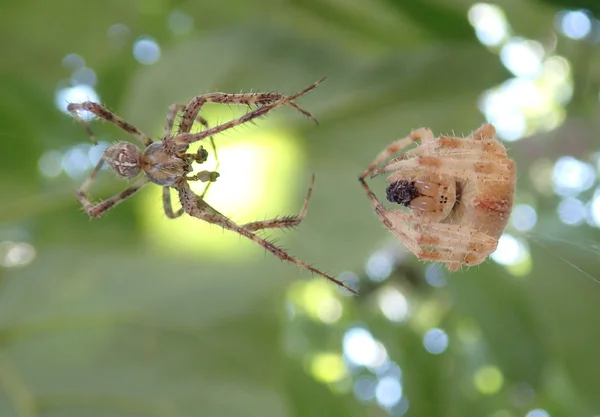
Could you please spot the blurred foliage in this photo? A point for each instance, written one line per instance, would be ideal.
(103, 322)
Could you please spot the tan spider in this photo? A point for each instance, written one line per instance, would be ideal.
(167, 163)
(460, 194)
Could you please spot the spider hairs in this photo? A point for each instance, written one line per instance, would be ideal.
(168, 164)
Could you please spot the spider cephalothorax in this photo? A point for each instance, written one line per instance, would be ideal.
(167, 163)
(459, 193)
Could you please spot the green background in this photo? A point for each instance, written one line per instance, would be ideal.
(133, 314)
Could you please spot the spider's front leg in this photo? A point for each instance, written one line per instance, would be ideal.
(249, 99)
(283, 222)
(109, 116)
(422, 134)
(172, 144)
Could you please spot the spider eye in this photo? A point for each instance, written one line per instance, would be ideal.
(402, 192)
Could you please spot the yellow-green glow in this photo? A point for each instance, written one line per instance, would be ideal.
(318, 299)
(427, 315)
(260, 179)
(488, 380)
(521, 269)
(328, 367)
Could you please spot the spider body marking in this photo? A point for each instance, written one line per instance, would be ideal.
(459, 194)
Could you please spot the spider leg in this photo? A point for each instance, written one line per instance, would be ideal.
(483, 169)
(169, 123)
(446, 243)
(110, 117)
(449, 147)
(422, 134)
(175, 142)
(204, 123)
(284, 222)
(196, 207)
(250, 99)
(485, 131)
(167, 206)
(98, 209)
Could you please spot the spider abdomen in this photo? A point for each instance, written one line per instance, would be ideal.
(124, 159)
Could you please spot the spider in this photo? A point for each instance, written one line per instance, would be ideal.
(459, 193)
(167, 164)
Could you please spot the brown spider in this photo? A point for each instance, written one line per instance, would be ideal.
(460, 194)
(167, 163)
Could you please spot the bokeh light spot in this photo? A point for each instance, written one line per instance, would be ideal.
(75, 161)
(76, 94)
(435, 275)
(572, 176)
(523, 217)
(575, 24)
(571, 211)
(393, 304)
(73, 61)
(595, 208)
(180, 22)
(16, 254)
(379, 266)
(360, 348)
(435, 341)
(388, 392)
(85, 76)
(488, 380)
(146, 51)
(50, 164)
(364, 387)
(510, 250)
(522, 57)
(538, 412)
(489, 22)
(329, 310)
(328, 367)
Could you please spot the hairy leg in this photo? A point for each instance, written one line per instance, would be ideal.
(283, 222)
(110, 117)
(196, 207)
(183, 139)
(98, 209)
(167, 206)
(451, 244)
(250, 99)
(423, 134)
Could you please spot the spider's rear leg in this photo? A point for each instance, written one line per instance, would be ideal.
(423, 134)
(197, 207)
(284, 222)
(98, 209)
(110, 117)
